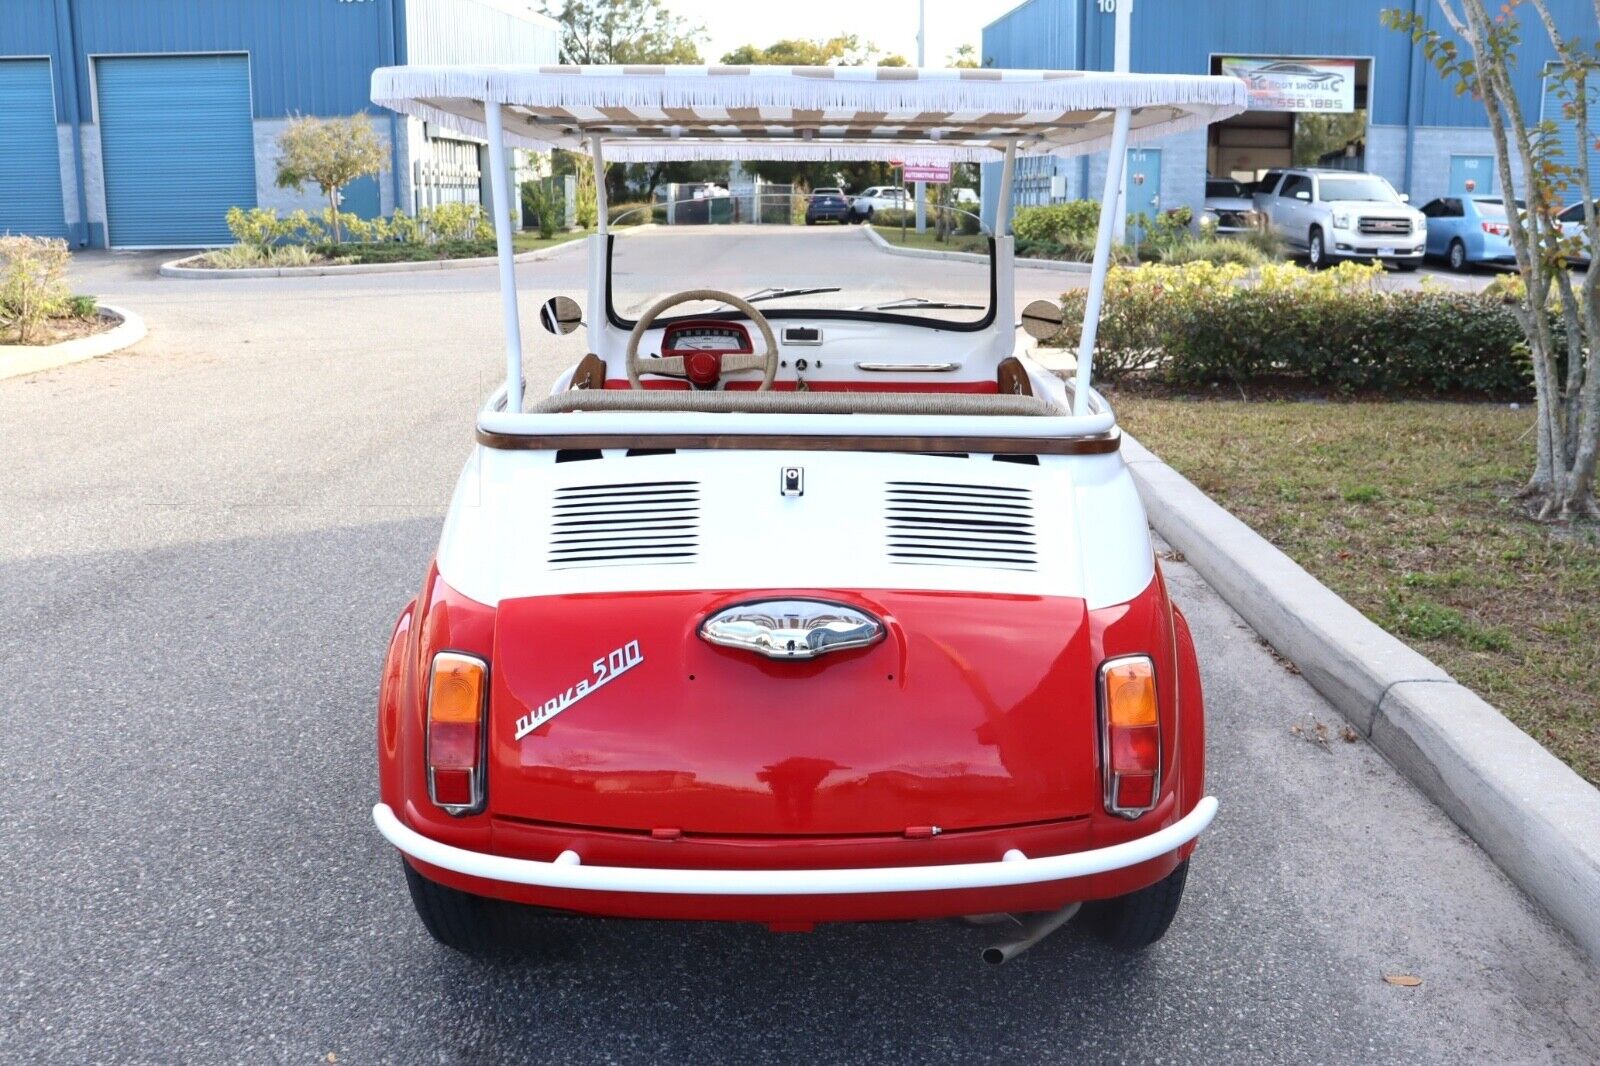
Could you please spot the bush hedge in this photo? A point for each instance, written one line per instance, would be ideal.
(1202, 323)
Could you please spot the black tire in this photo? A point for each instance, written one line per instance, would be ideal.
(1316, 250)
(459, 920)
(1407, 268)
(1458, 256)
(1141, 918)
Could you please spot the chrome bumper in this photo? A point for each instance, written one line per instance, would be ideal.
(1014, 868)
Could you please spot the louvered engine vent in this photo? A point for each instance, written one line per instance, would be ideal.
(943, 524)
(631, 524)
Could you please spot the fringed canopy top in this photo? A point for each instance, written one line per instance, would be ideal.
(903, 114)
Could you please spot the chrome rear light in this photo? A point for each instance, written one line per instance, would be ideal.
(1130, 735)
(458, 698)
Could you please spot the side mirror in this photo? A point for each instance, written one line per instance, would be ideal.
(1302, 195)
(560, 315)
(1042, 319)
(1405, 197)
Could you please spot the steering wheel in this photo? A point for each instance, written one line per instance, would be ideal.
(703, 369)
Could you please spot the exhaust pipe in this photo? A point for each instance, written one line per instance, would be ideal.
(1029, 932)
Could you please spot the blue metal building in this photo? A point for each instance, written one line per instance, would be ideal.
(1418, 133)
(138, 123)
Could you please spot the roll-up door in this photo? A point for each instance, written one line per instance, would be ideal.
(176, 146)
(30, 164)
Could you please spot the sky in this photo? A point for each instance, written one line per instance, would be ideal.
(891, 25)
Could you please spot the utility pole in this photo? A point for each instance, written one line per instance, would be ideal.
(1123, 51)
(922, 36)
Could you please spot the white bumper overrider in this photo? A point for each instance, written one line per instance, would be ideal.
(568, 871)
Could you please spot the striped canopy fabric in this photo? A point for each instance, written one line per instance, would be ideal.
(902, 114)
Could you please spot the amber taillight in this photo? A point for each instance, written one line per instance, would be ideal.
(1131, 735)
(458, 695)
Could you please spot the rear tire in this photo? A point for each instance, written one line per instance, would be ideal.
(1458, 256)
(1316, 252)
(1139, 919)
(458, 920)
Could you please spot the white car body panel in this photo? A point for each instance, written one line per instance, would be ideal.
(1090, 532)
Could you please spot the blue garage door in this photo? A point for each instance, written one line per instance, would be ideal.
(30, 166)
(176, 145)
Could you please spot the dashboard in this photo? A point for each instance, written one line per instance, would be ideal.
(710, 335)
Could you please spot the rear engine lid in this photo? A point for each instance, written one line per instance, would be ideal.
(972, 711)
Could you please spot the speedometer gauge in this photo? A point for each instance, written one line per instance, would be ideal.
(706, 337)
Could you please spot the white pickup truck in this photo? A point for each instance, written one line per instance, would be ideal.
(1341, 214)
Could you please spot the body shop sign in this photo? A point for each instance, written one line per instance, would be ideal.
(1327, 85)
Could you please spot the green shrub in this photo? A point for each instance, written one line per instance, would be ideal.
(1073, 221)
(893, 216)
(405, 228)
(395, 252)
(634, 214)
(456, 222)
(83, 306)
(1214, 250)
(1200, 323)
(542, 203)
(33, 283)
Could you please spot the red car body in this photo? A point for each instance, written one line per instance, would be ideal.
(959, 737)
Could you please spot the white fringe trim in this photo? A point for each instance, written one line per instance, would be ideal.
(453, 97)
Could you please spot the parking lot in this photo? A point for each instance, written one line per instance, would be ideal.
(204, 542)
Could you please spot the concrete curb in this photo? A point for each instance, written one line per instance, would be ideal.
(1528, 810)
(176, 269)
(19, 359)
(969, 257)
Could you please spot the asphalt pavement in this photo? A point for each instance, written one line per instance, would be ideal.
(204, 542)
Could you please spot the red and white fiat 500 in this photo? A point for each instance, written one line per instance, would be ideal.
(827, 609)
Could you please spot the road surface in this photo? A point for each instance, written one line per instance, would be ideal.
(203, 544)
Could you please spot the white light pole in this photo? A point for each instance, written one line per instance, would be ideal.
(922, 186)
(1123, 50)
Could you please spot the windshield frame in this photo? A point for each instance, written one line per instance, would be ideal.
(815, 314)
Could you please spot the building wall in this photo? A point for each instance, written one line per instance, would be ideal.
(1416, 120)
(307, 57)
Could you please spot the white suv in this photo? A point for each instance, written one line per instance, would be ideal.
(877, 198)
(1342, 214)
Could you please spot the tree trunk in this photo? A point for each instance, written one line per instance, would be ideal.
(333, 208)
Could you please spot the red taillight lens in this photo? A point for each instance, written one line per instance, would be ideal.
(457, 698)
(1499, 229)
(1132, 726)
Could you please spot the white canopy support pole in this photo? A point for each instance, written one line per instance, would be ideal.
(1122, 63)
(601, 220)
(1002, 207)
(1102, 259)
(500, 193)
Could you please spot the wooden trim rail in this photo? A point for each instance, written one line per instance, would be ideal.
(1099, 444)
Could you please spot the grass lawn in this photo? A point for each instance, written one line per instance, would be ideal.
(1399, 508)
(532, 242)
(913, 239)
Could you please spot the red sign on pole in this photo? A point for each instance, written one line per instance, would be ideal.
(932, 175)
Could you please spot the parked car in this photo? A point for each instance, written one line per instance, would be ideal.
(877, 198)
(1228, 207)
(1467, 230)
(1571, 222)
(836, 608)
(827, 205)
(1343, 214)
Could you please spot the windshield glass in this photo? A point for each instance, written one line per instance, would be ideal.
(789, 268)
(1360, 187)
(1225, 189)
